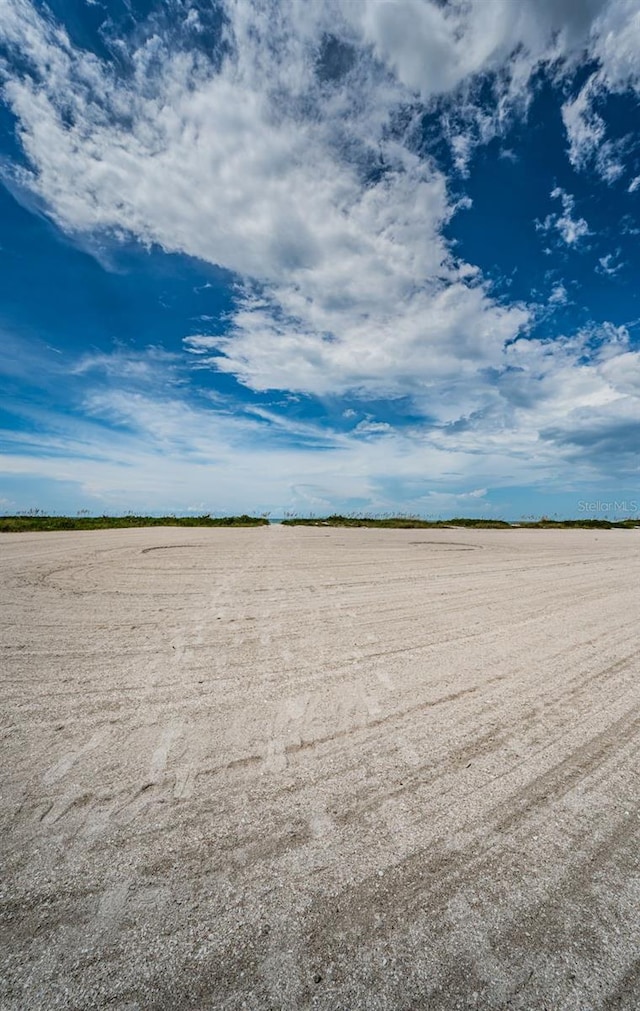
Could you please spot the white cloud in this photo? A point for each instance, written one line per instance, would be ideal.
(437, 50)
(607, 264)
(286, 167)
(558, 295)
(131, 365)
(371, 427)
(263, 168)
(434, 48)
(586, 131)
(571, 229)
(585, 128)
(435, 503)
(577, 391)
(259, 162)
(615, 48)
(438, 334)
(573, 402)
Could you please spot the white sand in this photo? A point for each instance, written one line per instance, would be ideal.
(312, 768)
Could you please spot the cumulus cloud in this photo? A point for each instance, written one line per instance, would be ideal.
(444, 332)
(277, 161)
(291, 178)
(287, 155)
(575, 390)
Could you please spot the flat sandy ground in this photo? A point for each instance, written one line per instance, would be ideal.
(311, 768)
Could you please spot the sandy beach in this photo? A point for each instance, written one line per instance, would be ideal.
(290, 768)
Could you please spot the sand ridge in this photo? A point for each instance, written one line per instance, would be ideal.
(320, 768)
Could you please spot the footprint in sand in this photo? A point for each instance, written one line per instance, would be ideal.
(66, 763)
(152, 787)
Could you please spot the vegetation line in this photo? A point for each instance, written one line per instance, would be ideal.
(36, 520)
(415, 523)
(21, 524)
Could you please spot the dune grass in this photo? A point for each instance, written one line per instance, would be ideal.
(415, 523)
(388, 522)
(39, 522)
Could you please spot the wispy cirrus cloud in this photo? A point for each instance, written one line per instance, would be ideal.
(614, 47)
(570, 402)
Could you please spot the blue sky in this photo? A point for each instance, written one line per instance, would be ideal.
(320, 256)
